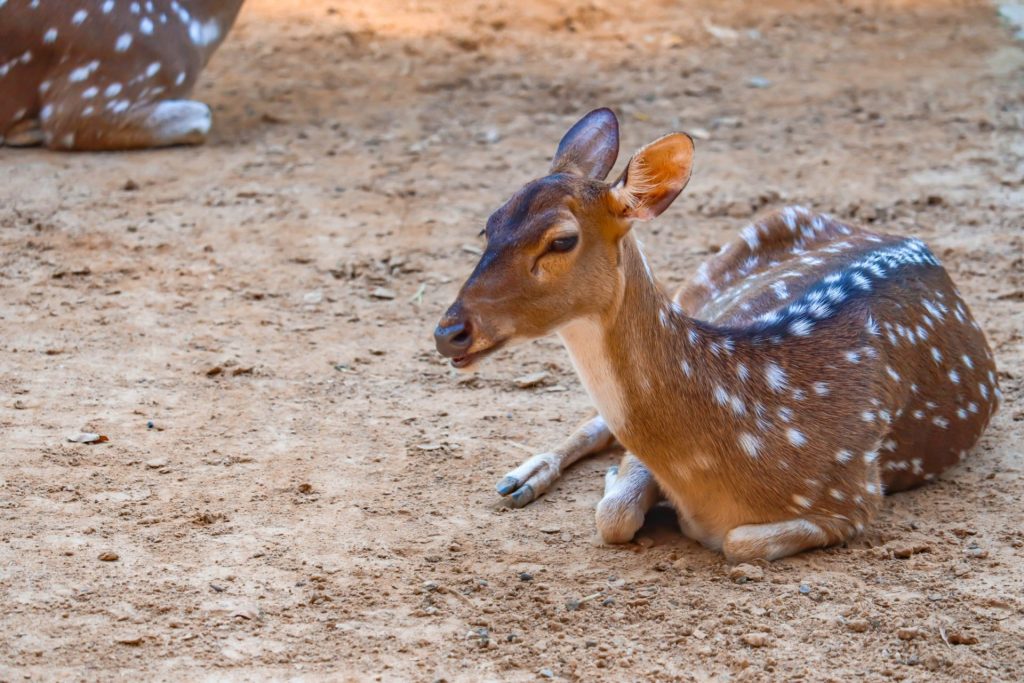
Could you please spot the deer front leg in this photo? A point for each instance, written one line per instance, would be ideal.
(119, 125)
(782, 539)
(535, 476)
(629, 493)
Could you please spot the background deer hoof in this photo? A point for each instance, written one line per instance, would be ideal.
(180, 122)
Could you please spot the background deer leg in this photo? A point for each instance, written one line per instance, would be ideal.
(536, 475)
(629, 492)
(118, 124)
(26, 133)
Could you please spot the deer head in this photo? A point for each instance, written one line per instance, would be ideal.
(552, 251)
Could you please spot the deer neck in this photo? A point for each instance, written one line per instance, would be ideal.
(644, 363)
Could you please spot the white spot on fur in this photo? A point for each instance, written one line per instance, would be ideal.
(742, 371)
(204, 33)
(750, 444)
(775, 376)
(801, 327)
(124, 41)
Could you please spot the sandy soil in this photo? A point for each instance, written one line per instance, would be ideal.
(322, 506)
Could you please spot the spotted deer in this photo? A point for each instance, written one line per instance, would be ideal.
(106, 74)
(810, 366)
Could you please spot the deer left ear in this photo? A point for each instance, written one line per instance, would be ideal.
(590, 147)
(654, 177)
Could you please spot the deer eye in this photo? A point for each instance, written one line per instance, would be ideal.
(563, 244)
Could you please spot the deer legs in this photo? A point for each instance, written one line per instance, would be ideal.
(629, 493)
(101, 126)
(629, 490)
(25, 133)
(535, 476)
(782, 539)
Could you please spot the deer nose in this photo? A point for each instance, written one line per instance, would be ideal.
(453, 339)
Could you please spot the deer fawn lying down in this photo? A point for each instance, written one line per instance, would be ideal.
(106, 74)
(808, 368)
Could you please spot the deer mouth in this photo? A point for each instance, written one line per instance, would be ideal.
(470, 359)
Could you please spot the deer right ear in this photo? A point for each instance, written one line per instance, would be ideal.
(654, 177)
(590, 147)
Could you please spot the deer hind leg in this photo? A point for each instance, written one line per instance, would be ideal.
(535, 476)
(629, 493)
(25, 133)
(113, 124)
(782, 539)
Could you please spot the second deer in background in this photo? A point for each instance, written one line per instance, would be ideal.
(107, 74)
(808, 368)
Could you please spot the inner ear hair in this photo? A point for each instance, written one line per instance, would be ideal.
(635, 183)
(654, 177)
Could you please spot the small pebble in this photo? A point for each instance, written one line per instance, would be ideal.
(805, 589)
(858, 625)
(132, 639)
(109, 556)
(743, 573)
(532, 380)
(87, 437)
(150, 424)
(383, 293)
(907, 551)
(956, 638)
(546, 673)
(525, 576)
(758, 82)
(156, 463)
(909, 633)
(754, 639)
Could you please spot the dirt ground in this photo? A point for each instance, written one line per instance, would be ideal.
(315, 499)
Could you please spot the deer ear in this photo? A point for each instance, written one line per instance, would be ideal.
(654, 177)
(590, 147)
